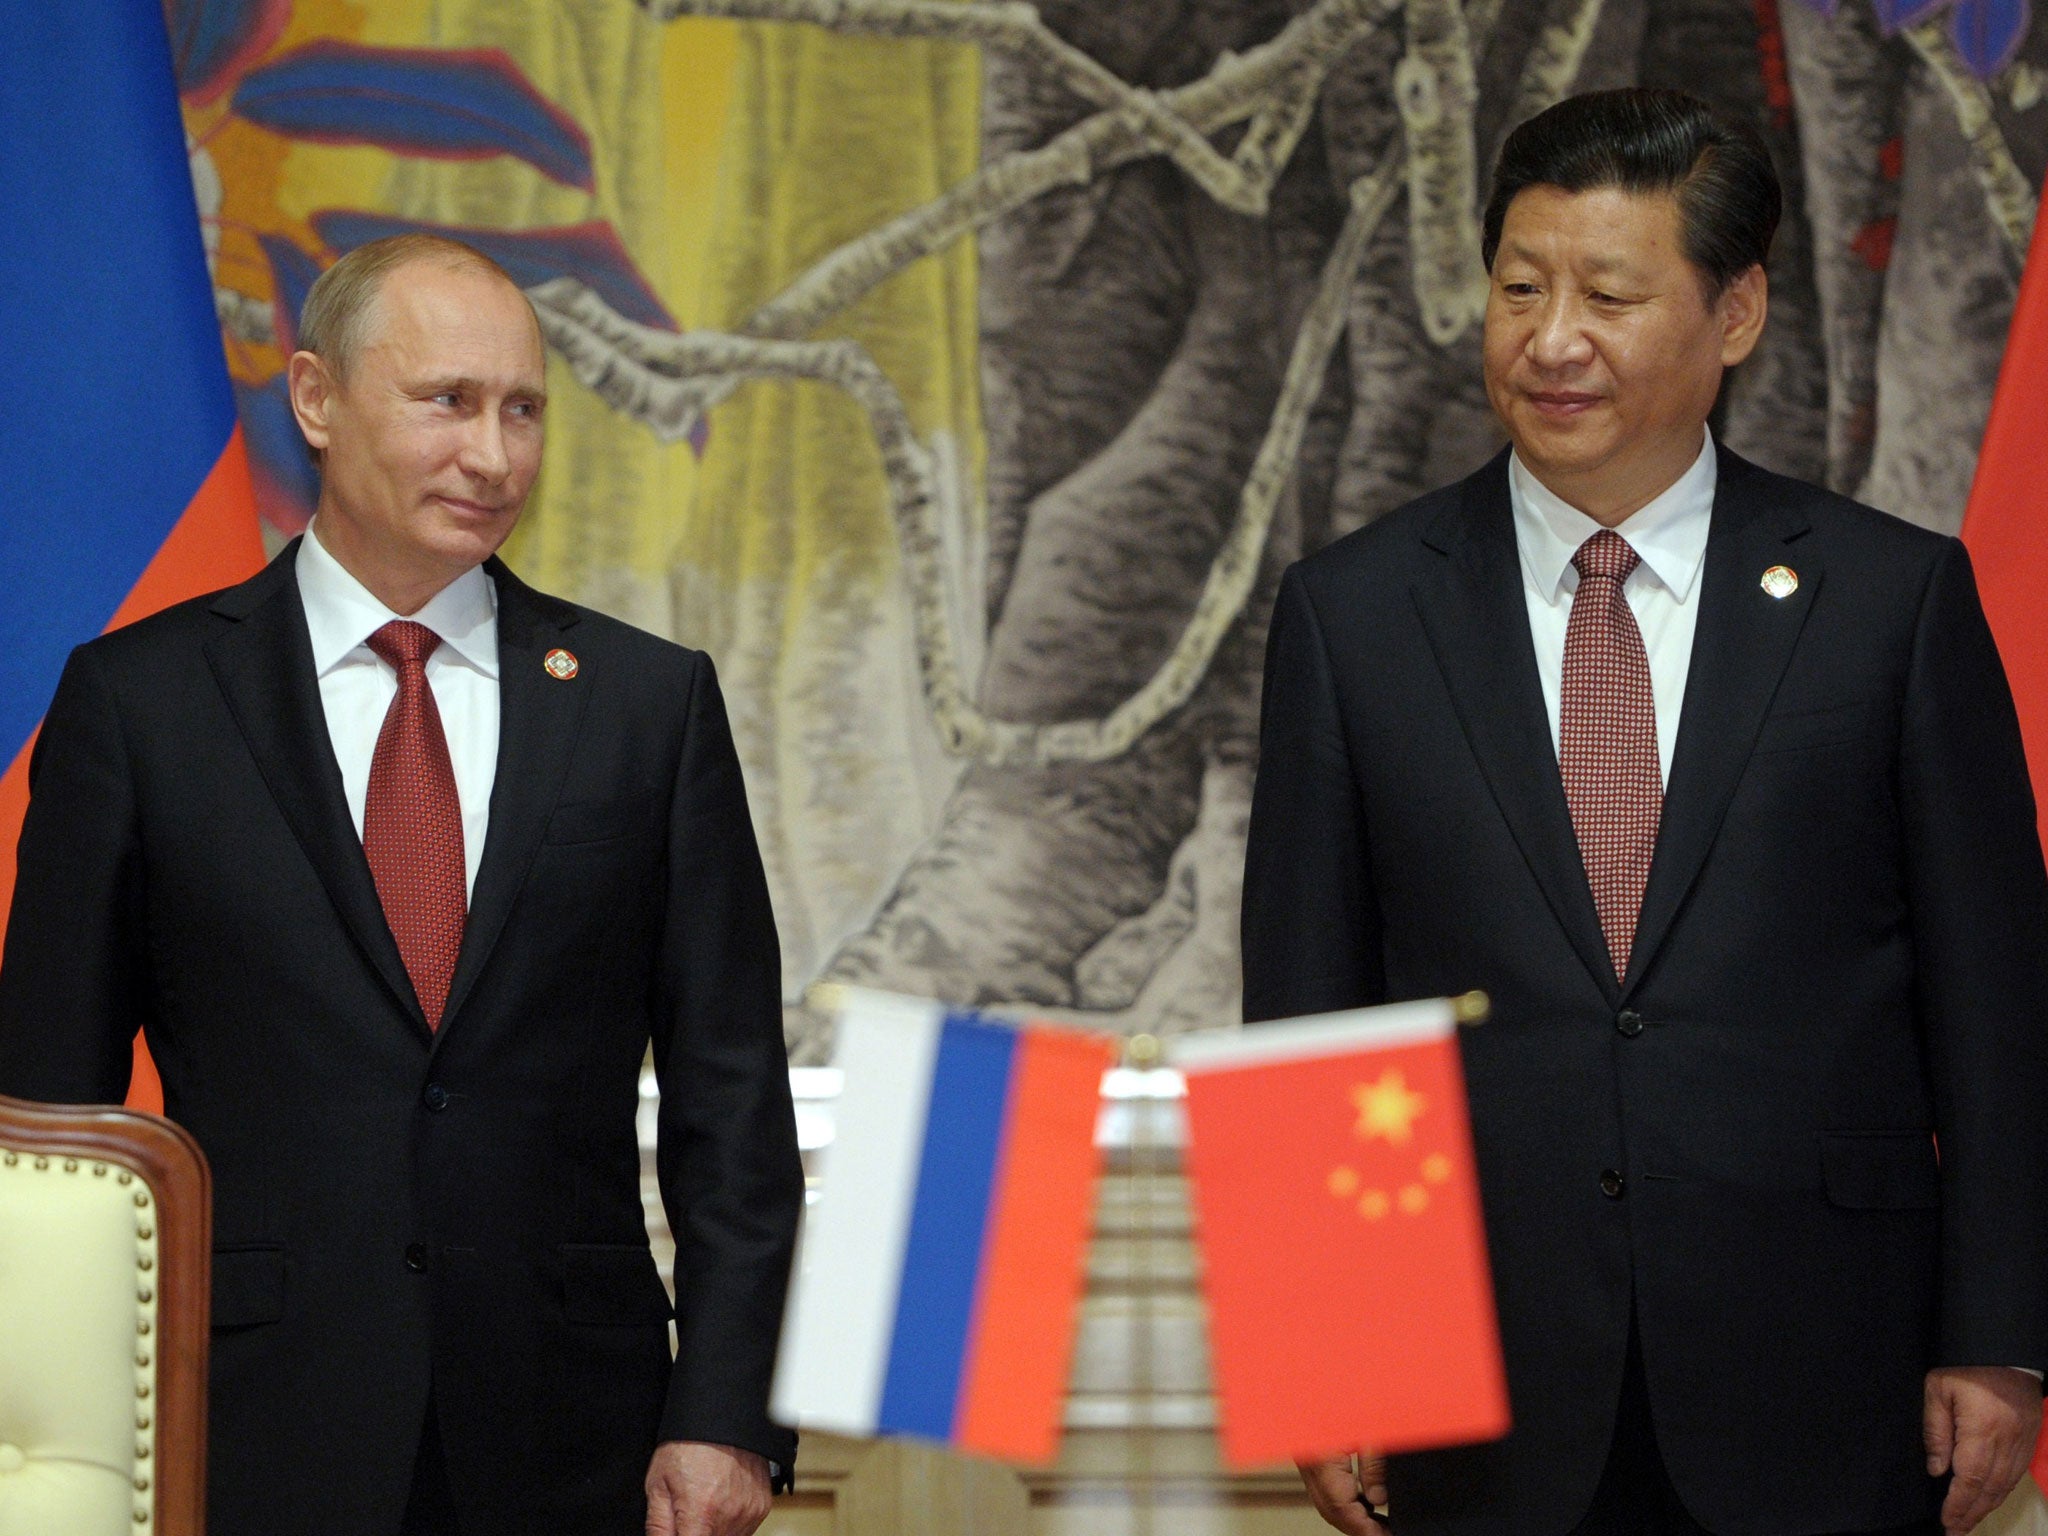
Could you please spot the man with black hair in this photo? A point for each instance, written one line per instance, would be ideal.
(1712, 780)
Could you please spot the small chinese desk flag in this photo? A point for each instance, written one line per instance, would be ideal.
(1342, 1248)
(939, 1278)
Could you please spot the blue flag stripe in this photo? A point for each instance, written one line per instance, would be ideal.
(113, 387)
(942, 1255)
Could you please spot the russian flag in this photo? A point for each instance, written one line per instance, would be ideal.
(939, 1278)
(121, 464)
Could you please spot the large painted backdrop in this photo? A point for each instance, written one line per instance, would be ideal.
(962, 375)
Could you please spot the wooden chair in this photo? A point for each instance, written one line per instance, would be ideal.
(105, 1239)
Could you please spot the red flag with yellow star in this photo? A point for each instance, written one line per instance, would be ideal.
(1343, 1251)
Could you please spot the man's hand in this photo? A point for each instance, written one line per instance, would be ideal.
(694, 1489)
(1981, 1422)
(1342, 1491)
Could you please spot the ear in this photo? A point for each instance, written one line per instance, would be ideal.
(312, 392)
(1742, 308)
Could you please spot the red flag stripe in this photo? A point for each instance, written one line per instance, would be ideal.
(1032, 1274)
(2006, 526)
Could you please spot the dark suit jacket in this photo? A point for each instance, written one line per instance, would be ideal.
(1842, 958)
(395, 1207)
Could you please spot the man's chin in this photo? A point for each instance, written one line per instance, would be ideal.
(1552, 451)
(470, 534)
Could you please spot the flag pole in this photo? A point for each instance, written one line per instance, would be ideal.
(1143, 1052)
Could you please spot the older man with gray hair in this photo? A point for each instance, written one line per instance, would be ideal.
(400, 866)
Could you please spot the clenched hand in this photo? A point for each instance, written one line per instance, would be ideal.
(694, 1489)
(1981, 1423)
(1344, 1491)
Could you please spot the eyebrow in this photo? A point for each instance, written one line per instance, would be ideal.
(476, 386)
(1612, 264)
(1598, 265)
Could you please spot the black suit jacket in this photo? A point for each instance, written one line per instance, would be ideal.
(396, 1207)
(1842, 959)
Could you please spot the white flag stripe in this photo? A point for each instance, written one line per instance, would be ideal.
(1321, 1034)
(842, 1313)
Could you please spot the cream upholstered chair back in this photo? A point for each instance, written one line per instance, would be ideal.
(105, 1238)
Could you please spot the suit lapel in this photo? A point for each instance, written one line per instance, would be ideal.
(1741, 644)
(263, 662)
(1477, 620)
(538, 717)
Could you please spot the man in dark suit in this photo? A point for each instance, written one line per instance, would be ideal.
(400, 865)
(1711, 779)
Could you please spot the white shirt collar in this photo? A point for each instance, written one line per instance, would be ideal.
(1669, 533)
(341, 613)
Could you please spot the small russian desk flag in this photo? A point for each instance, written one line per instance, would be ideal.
(1342, 1245)
(940, 1273)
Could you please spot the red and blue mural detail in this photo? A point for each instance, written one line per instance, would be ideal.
(445, 104)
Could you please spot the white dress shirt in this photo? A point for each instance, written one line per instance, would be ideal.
(357, 686)
(1670, 534)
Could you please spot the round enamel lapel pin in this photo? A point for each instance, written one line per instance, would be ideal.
(561, 664)
(1780, 581)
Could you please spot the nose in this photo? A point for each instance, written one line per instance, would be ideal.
(484, 454)
(1558, 338)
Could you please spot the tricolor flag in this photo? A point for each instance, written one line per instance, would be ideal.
(2006, 528)
(1337, 1217)
(939, 1277)
(121, 467)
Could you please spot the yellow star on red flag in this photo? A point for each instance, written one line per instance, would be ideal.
(1387, 1109)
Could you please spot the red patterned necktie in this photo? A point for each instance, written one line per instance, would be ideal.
(1607, 740)
(412, 822)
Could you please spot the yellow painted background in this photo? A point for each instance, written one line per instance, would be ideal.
(728, 157)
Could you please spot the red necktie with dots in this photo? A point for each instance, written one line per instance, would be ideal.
(1607, 740)
(412, 822)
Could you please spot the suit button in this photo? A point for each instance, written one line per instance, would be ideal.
(1611, 1184)
(416, 1258)
(436, 1096)
(1629, 1022)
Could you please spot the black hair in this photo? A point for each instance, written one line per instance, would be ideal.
(1644, 140)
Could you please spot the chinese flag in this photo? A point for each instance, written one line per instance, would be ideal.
(1343, 1253)
(2006, 529)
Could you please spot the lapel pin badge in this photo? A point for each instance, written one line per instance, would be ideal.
(1779, 581)
(561, 664)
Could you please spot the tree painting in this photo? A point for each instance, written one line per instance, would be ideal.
(1226, 294)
